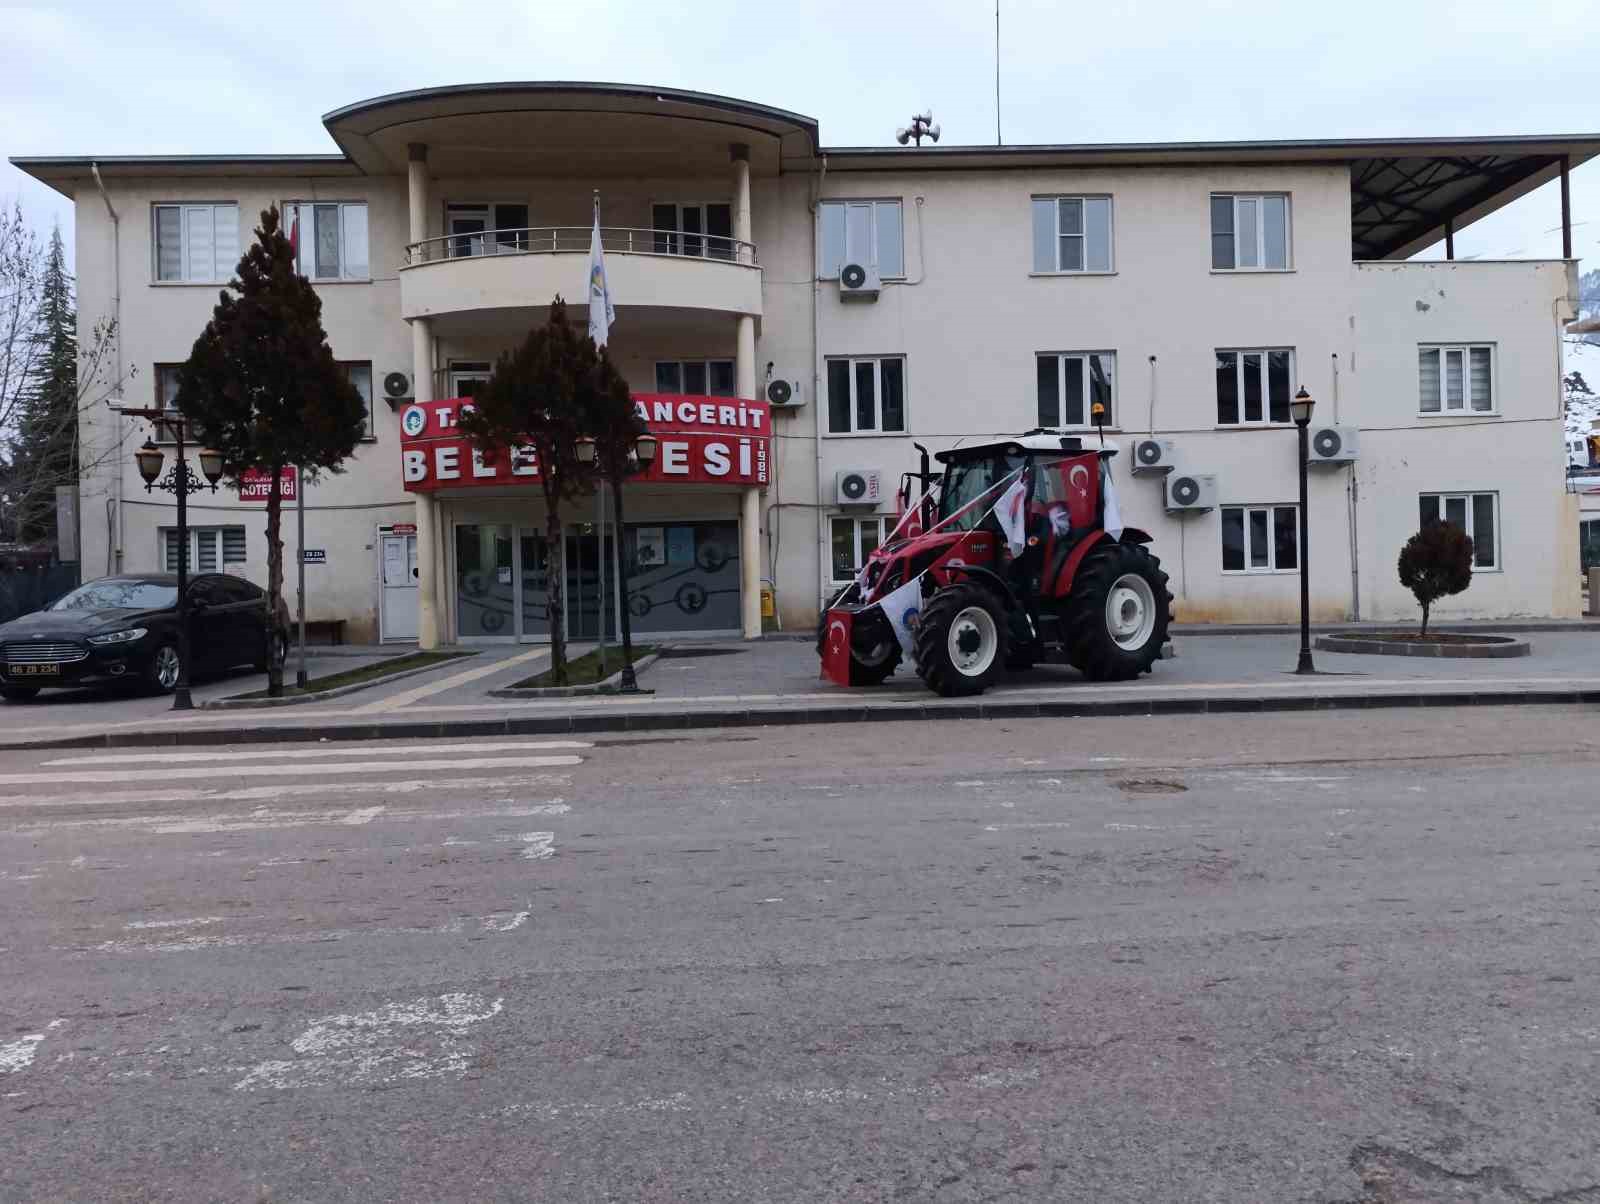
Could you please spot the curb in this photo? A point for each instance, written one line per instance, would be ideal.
(1492, 647)
(259, 704)
(609, 686)
(656, 720)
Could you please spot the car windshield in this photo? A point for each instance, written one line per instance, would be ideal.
(120, 595)
(966, 480)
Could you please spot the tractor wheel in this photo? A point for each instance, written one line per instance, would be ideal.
(961, 640)
(885, 656)
(1117, 614)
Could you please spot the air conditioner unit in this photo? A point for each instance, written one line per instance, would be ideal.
(858, 282)
(1151, 456)
(784, 394)
(1332, 445)
(858, 487)
(397, 387)
(1191, 492)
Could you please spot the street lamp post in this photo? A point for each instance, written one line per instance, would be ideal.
(180, 481)
(1301, 408)
(644, 455)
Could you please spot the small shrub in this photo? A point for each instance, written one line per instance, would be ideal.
(1435, 563)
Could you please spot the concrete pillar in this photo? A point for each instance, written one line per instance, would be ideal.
(427, 510)
(417, 191)
(739, 152)
(750, 562)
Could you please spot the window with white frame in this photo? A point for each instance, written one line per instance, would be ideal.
(1478, 514)
(1071, 234)
(359, 374)
(195, 243)
(1071, 384)
(165, 379)
(711, 378)
(330, 238)
(864, 232)
(1456, 379)
(867, 395)
(699, 230)
(484, 228)
(851, 541)
(466, 377)
(1260, 539)
(1253, 386)
(209, 548)
(1249, 232)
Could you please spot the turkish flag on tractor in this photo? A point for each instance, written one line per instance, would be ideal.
(836, 647)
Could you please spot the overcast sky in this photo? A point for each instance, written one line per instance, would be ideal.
(98, 77)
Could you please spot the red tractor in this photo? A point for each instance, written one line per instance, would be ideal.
(1012, 566)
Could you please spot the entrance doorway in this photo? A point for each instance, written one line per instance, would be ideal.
(397, 586)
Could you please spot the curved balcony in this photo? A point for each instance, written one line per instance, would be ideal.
(521, 269)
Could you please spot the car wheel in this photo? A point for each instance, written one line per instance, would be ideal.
(161, 674)
(19, 693)
(278, 652)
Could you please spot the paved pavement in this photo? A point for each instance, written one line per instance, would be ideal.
(1337, 958)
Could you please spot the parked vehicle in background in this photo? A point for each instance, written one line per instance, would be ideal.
(126, 629)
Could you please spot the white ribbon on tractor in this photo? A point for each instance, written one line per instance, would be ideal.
(1111, 513)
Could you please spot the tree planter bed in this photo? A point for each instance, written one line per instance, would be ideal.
(1409, 643)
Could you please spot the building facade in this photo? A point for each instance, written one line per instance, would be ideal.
(824, 311)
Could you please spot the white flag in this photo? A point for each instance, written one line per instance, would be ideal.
(902, 608)
(1112, 513)
(601, 312)
(1012, 511)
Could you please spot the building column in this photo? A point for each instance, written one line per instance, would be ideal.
(417, 191)
(427, 510)
(739, 152)
(744, 378)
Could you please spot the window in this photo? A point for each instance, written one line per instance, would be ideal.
(1072, 234)
(866, 395)
(852, 540)
(166, 386)
(359, 374)
(1475, 513)
(466, 377)
(1249, 233)
(713, 378)
(483, 228)
(700, 230)
(1260, 539)
(1253, 386)
(864, 232)
(196, 244)
(1456, 380)
(1589, 543)
(1070, 385)
(209, 548)
(331, 238)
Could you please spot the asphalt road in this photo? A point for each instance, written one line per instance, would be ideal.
(1311, 957)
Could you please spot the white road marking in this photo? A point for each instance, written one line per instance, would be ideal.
(423, 1039)
(247, 794)
(194, 923)
(262, 818)
(539, 845)
(505, 921)
(278, 755)
(281, 771)
(18, 1055)
(1042, 824)
(395, 701)
(363, 815)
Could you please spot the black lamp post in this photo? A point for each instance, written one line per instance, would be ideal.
(1301, 408)
(643, 455)
(181, 482)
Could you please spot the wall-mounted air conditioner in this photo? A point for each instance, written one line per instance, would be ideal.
(1189, 492)
(784, 394)
(1151, 456)
(858, 487)
(1332, 445)
(858, 282)
(397, 388)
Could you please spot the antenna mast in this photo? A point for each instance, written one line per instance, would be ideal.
(997, 140)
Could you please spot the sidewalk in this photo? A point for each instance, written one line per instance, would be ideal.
(770, 682)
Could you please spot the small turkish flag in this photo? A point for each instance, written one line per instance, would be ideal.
(836, 647)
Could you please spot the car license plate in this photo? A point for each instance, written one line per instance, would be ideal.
(34, 670)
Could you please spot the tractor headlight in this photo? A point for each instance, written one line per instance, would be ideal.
(126, 636)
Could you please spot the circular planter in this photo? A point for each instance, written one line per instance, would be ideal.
(1408, 643)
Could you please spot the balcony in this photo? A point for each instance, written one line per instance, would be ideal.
(522, 269)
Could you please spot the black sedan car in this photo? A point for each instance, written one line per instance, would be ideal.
(126, 629)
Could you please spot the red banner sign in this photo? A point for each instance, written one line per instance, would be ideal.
(256, 486)
(700, 440)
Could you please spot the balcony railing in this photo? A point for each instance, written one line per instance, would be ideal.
(554, 240)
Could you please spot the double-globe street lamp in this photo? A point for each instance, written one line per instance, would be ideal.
(640, 457)
(1301, 408)
(181, 482)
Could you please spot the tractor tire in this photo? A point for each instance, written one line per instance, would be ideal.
(961, 641)
(1117, 614)
(861, 673)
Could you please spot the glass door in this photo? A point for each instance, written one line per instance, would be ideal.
(533, 584)
(587, 606)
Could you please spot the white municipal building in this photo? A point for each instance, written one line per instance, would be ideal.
(878, 296)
